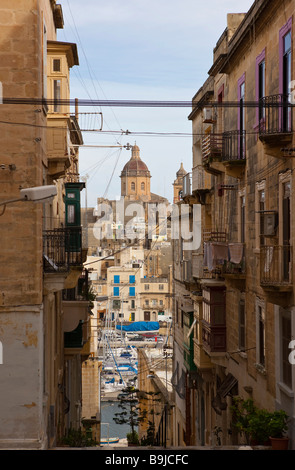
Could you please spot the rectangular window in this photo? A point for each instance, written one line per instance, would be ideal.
(132, 316)
(242, 326)
(261, 195)
(285, 61)
(132, 291)
(260, 86)
(241, 116)
(132, 303)
(116, 279)
(243, 221)
(146, 287)
(57, 95)
(131, 279)
(116, 291)
(70, 214)
(56, 65)
(220, 109)
(161, 286)
(260, 335)
(286, 367)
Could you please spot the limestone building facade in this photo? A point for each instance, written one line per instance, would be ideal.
(41, 249)
(241, 288)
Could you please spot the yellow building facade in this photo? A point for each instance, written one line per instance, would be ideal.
(37, 256)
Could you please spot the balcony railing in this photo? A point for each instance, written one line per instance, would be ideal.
(211, 147)
(276, 115)
(236, 263)
(234, 146)
(62, 249)
(276, 265)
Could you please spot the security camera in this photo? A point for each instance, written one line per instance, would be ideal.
(39, 193)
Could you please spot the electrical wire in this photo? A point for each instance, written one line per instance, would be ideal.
(142, 103)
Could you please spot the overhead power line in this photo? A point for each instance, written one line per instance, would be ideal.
(141, 103)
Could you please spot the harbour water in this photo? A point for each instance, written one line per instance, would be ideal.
(108, 410)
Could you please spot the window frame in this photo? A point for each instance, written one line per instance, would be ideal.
(260, 312)
(285, 29)
(260, 59)
(242, 325)
(284, 349)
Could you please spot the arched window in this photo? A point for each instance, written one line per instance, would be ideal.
(132, 186)
(142, 186)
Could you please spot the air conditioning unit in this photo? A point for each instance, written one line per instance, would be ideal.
(208, 115)
(270, 223)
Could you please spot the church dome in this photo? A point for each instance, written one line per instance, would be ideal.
(135, 166)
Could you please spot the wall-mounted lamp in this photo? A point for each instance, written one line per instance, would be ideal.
(36, 194)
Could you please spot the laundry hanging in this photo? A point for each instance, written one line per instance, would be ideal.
(215, 253)
(236, 251)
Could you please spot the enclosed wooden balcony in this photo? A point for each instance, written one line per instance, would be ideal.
(214, 319)
(201, 358)
(276, 124)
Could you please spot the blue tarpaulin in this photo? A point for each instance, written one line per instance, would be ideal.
(140, 326)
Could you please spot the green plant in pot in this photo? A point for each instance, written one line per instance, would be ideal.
(277, 427)
(132, 438)
(258, 427)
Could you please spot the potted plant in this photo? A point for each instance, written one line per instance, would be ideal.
(278, 426)
(243, 411)
(259, 427)
(132, 438)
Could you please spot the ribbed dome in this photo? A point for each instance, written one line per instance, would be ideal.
(135, 166)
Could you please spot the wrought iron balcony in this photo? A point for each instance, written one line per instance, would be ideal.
(236, 263)
(234, 146)
(276, 112)
(276, 266)
(62, 249)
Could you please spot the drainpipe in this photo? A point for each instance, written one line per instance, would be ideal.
(187, 412)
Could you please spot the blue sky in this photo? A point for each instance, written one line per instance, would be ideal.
(159, 50)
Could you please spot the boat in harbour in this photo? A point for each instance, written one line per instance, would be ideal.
(109, 440)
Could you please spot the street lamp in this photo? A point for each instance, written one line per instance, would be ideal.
(36, 194)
